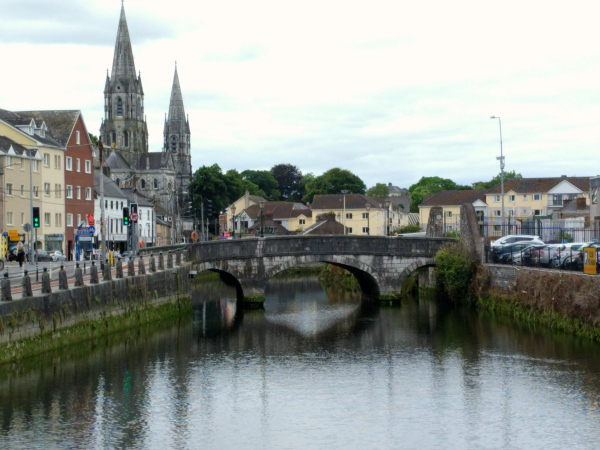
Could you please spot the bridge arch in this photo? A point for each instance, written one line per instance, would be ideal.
(411, 268)
(227, 275)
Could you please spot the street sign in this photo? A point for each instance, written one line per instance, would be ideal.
(91, 230)
(90, 219)
(589, 260)
(27, 227)
(5, 234)
(134, 217)
(13, 233)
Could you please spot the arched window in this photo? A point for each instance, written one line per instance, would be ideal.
(143, 183)
(174, 144)
(119, 107)
(113, 138)
(125, 139)
(155, 183)
(118, 182)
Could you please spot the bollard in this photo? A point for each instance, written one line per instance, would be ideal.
(107, 272)
(94, 273)
(152, 263)
(119, 268)
(6, 290)
(169, 260)
(62, 278)
(178, 257)
(78, 275)
(161, 261)
(46, 288)
(130, 267)
(26, 283)
(141, 267)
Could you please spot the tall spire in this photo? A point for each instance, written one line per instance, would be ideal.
(176, 109)
(123, 65)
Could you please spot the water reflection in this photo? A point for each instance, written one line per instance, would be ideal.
(418, 376)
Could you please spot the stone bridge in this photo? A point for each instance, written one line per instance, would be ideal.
(380, 264)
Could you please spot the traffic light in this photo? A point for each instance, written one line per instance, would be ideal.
(208, 207)
(36, 217)
(126, 216)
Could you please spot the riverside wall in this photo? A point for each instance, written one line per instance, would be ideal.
(38, 315)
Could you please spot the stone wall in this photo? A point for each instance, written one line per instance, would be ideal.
(470, 233)
(30, 316)
(502, 276)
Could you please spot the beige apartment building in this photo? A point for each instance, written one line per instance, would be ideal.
(47, 176)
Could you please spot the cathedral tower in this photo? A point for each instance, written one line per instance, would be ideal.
(124, 124)
(177, 136)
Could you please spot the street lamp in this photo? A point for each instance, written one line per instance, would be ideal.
(233, 221)
(368, 208)
(262, 205)
(501, 159)
(344, 192)
(387, 204)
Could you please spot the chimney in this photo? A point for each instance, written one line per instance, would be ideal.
(247, 199)
(389, 184)
(581, 203)
(563, 176)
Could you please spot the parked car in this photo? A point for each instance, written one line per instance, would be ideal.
(57, 255)
(544, 255)
(571, 250)
(514, 238)
(127, 254)
(504, 254)
(43, 255)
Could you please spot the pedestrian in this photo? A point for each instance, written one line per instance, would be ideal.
(20, 253)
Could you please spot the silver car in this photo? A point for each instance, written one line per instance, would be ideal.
(57, 255)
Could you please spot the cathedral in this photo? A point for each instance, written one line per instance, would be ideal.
(162, 177)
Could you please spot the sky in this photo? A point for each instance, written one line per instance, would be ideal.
(390, 90)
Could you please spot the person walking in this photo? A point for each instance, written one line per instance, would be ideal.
(20, 253)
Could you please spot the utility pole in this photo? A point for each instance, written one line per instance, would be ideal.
(31, 151)
(202, 218)
(101, 154)
(134, 222)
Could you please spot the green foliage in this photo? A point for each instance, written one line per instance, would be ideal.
(380, 190)
(455, 269)
(333, 182)
(564, 236)
(487, 185)
(408, 229)
(93, 138)
(429, 186)
(267, 184)
(288, 179)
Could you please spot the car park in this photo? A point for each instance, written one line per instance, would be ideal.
(514, 238)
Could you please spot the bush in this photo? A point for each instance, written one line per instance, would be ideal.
(408, 229)
(455, 269)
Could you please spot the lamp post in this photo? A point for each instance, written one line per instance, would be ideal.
(31, 151)
(262, 205)
(232, 221)
(387, 204)
(368, 208)
(344, 192)
(501, 159)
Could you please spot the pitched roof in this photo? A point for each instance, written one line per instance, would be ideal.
(539, 185)
(336, 201)
(116, 161)
(141, 200)
(60, 123)
(571, 207)
(279, 210)
(403, 200)
(6, 143)
(110, 188)
(454, 197)
(24, 118)
(154, 159)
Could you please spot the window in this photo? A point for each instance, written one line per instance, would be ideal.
(78, 165)
(365, 215)
(173, 144)
(114, 138)
(22, 218)
(69, 220)
(155, 183)
(36, 191)
(349, 230)
(105, 204)
(77, 138)
(36, 165)
(88, 166)
(78, 219)
(537, 196)
(496, 198)
(119, 107)
(69, 163)
(497, 228)
(22, 190)
(111, 204)
(595, 197)
(302, 221)
(537, 212)
(57, 162)
(497, 213)
(447, 213)
(148, 214)
(365, 230)
(47, 189)
(511, 198)
(8, 188)
(348, 215)
(47, 219)
(78, 192)
(143, 184)
(125, 139)
(511, 212)
(524, 196)
(121, 205)
(57, 190)
(69, 191)
(46, 160)
(8, 162)
(9, 216)
(88, 193)
(57, 219)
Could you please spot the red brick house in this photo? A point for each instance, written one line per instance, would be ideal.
(68, 128)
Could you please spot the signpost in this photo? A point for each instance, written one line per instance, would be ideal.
(134, 217)
(90, 219)
(589, 260)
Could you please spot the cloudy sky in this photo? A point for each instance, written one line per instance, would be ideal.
(391, 90)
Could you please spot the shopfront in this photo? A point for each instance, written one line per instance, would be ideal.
(54, 242)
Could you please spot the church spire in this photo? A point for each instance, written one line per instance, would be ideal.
(176, 109)
(123, 65)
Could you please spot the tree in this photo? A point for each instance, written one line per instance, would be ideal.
(380, 190)
(265, 182)
(428, 186)
(487, 185)
(288, 178)
(93, 138)
(332, 182)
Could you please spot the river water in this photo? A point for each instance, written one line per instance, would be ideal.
(315, 369)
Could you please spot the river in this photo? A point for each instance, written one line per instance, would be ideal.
(314, 369)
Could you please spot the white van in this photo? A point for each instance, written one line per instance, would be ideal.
(512, 238)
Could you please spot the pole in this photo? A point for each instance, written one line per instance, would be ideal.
(31, 202)
(134, 223)
(501, 159)
(344, 192)
(202, 219)
(101, 155)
